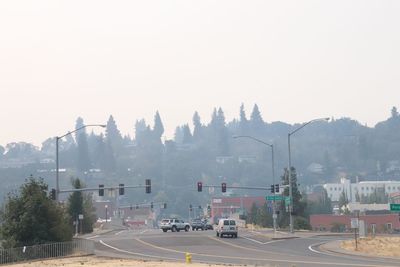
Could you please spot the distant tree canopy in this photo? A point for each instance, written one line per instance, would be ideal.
(207, 151)
(31, 217)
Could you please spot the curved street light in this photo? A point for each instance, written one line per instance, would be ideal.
(273, 170)
(290, 171)
(57, 141)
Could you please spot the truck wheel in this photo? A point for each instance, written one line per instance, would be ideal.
(164, 230)
(193, 228)
(217, 234)
(187, 228)
(174, 229)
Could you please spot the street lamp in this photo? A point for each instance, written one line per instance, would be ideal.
(57, 141)
(290, 170)
(273, 171)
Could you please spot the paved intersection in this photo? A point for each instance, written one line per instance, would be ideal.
(251, 248)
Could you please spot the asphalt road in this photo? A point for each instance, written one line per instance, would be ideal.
(250, 248)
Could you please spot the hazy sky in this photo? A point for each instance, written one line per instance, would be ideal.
(298, 60)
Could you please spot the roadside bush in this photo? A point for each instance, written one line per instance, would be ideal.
(338, 227)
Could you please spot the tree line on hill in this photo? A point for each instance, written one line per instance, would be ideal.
(207, 152)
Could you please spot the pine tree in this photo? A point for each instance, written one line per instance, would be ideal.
(243, 123)
(81, 203)
(113, 136)
(83, 163)
(158, 126)
(256, 121)
(198, 127)
(187, 136)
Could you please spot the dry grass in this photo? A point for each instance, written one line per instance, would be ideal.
(378, 246)
(107, 262)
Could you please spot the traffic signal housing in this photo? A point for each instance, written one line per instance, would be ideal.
(277, 188)
(272, 188)
(151, 205)
(148, 186)
(199, 186)
(53, 194)
(223, 187)
(165, 205)
(101, 190)
(121, 189)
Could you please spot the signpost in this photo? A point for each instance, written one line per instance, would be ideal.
(354, 224)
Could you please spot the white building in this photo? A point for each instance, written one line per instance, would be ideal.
(363, 188)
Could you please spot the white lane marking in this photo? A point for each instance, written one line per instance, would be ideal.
(310, 247)
(137, 254)
(262, 243)
(319, 263)
(120, 232)
(144, 231)
(157, 257)
(91, 237)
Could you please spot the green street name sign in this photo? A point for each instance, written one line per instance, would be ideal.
(276, 198)
(395, 207)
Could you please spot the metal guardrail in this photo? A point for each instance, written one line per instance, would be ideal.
(77, 247)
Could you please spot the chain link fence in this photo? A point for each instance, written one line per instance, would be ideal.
(77, 247)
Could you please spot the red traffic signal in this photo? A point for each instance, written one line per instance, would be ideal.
(199, 186)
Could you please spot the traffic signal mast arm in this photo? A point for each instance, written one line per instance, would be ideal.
(97, 188)
(240, 187)
(142, 205)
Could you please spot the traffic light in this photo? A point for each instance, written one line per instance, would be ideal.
(148, 186)
(223, 187)
(190, 207)
(121, 189)
(277, 188)
(53, 194)
(151, 205)
(272, 188)
(101, 190)
(199, 186)
(165, 205)
(199, 207)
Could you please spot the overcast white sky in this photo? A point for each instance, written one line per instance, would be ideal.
(298, 60)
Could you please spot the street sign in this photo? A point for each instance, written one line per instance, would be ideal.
(287, 201)
(276, 198)
(354, 223)
(395, 207)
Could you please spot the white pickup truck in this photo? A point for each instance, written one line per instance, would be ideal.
(175, 225)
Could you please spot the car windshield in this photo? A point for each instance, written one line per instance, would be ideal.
(165, 221)
(226, 222)
(232, 222)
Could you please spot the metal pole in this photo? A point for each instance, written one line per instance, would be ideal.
(273, 182)
(290, 189)
(57, 167)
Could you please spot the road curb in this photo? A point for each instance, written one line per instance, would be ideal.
(338, 250)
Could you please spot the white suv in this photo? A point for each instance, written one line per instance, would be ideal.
(227, 227)
(175, 225)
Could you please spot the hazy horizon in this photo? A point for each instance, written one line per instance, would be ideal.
(298, 60)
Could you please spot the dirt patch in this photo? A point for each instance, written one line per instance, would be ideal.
(108, 262)
(377, 246)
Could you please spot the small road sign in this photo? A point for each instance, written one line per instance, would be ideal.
(395, 207)
(354, 222)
